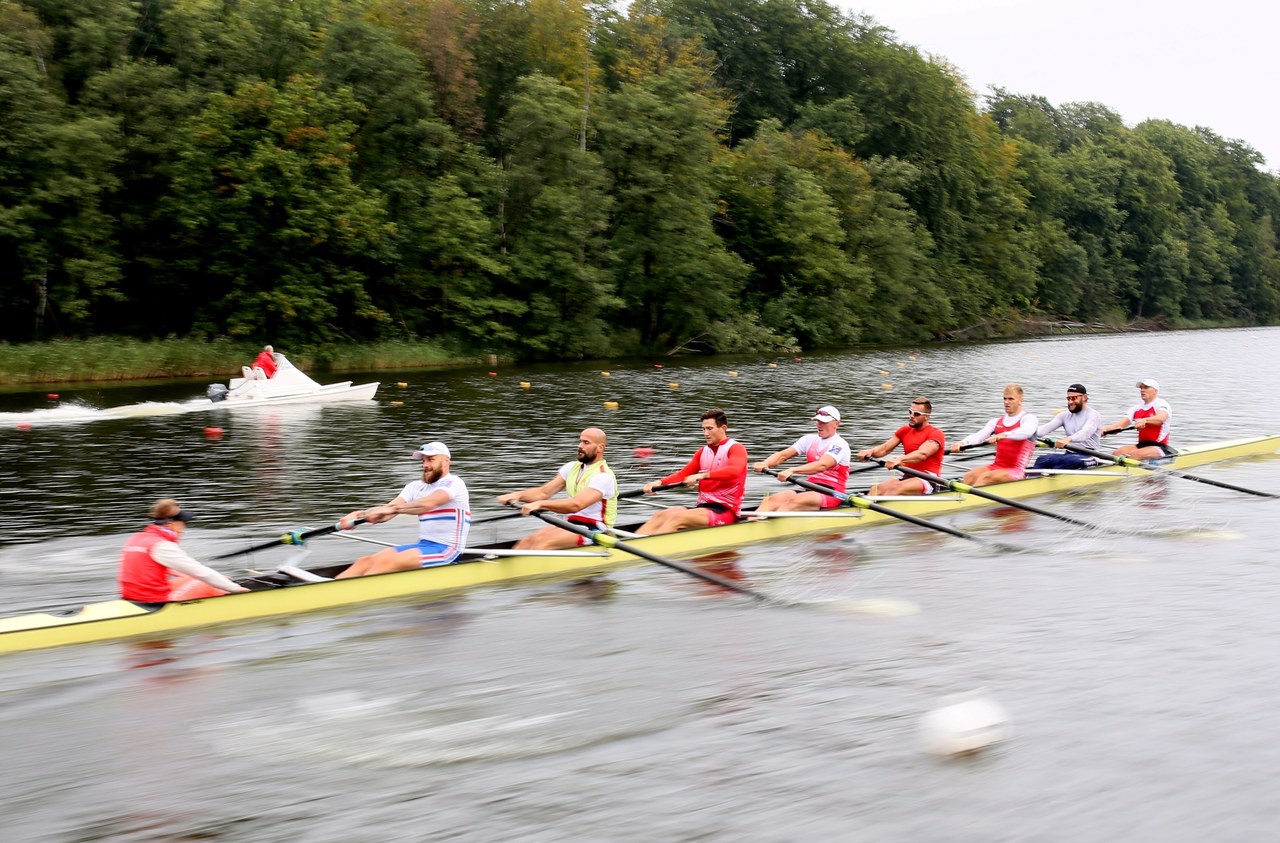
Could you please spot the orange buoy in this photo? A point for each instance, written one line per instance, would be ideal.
(525, 384)
(674, 385)
(213, 432)
(773, 365)
(604, 374)
(397, 403)
(732, 374)
(642, 453)
(401, 384)
(611, 405)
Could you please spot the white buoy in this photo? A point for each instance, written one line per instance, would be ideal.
(964, 723)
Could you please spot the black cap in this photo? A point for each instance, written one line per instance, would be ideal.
(1078, 387)
(180, 515)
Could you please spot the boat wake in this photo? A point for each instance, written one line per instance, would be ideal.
(76, 413)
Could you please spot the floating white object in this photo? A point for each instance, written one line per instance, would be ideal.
(964, 723)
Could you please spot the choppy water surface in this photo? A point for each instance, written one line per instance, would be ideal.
(1140, 672)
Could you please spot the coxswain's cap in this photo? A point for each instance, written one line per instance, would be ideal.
(432, 449)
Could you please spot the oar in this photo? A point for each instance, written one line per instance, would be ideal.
(296, 537)
(606, 540)
(633, 493)
(965, 488)
(865, 503)
(1130, 462)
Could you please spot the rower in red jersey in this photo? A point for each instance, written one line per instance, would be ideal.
(1151, 418)
(1013, 434)
(718, 470)
(922, 448)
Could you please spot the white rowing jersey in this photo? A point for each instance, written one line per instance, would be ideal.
(449, 522)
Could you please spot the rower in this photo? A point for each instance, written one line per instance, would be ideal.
(152, 564)
(1151, 418)
(827, 463)
(1013, 434)
(719, 472)
(592, 491)
(922, 448)
(443, 507)
(1082, 425)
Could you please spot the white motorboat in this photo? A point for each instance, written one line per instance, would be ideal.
(287, 386)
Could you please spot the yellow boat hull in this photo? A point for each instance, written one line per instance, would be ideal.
(120, 619)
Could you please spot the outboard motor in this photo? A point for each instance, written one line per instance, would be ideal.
(216, 392)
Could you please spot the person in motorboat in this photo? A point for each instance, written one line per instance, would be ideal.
(592, 500)
(922, 448)
(442, 506)
(719, 472)
(266, 362)
(152, 563)
(1013, 435)
(1083, 428)
(826, 462)
(1152, 419)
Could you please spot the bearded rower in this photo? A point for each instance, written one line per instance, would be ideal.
(922, 448)
(592, 500)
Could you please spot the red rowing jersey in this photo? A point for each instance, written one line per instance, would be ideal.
(912, 439)
(726, 467)
(1153, 433)
(1012, 453)
(142, 578)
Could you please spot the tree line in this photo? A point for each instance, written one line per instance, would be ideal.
(560, 178)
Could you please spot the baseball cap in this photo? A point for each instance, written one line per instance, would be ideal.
(432, 449)
(1078, 387)
(1151, 382)
(827, 413)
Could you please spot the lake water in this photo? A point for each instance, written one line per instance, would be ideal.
(1139, 672)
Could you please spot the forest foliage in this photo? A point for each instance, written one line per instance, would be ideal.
(561, 178)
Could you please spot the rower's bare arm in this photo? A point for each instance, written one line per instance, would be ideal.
(827, 461)
(879, 450)
(565, 506)
(420, 505)
(538, 493)
(775, 459)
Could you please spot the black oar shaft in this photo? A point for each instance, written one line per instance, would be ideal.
(632, 493)
(606, 540)
(965, 488)
(294, 538)
(863, 503)
(1130, 462)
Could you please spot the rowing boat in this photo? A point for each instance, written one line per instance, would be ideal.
(279, 594)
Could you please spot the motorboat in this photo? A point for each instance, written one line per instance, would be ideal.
(289, 385)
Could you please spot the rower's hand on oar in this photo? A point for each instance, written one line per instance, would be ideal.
(891, 463)
(785, 475)
(762, 466)
(509, 499)
(531, 507)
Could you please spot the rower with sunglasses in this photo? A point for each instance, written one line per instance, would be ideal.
(922, 448)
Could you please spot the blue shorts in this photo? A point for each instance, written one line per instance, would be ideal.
(432, 553)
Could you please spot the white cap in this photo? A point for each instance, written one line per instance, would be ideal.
(1151, 382)
(432, 449)
(827, 414)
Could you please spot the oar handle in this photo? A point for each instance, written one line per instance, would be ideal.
(940, 482)
(630, 493)
(1117, 430)
(294, 537)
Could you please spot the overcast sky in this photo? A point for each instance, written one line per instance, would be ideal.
(1196, 63)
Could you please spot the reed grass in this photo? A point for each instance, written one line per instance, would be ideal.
(119, 358)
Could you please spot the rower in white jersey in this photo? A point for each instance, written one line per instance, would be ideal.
(443, 507)
(592, 500)
(826, 461)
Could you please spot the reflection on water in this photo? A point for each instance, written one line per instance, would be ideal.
(647, 704)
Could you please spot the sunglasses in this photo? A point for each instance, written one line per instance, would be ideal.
(917, 414)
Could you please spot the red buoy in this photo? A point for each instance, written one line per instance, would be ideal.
(493, 374)
(643, 453)
(52, 396)
(24, 425)
(657, 365)
(213, 432)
